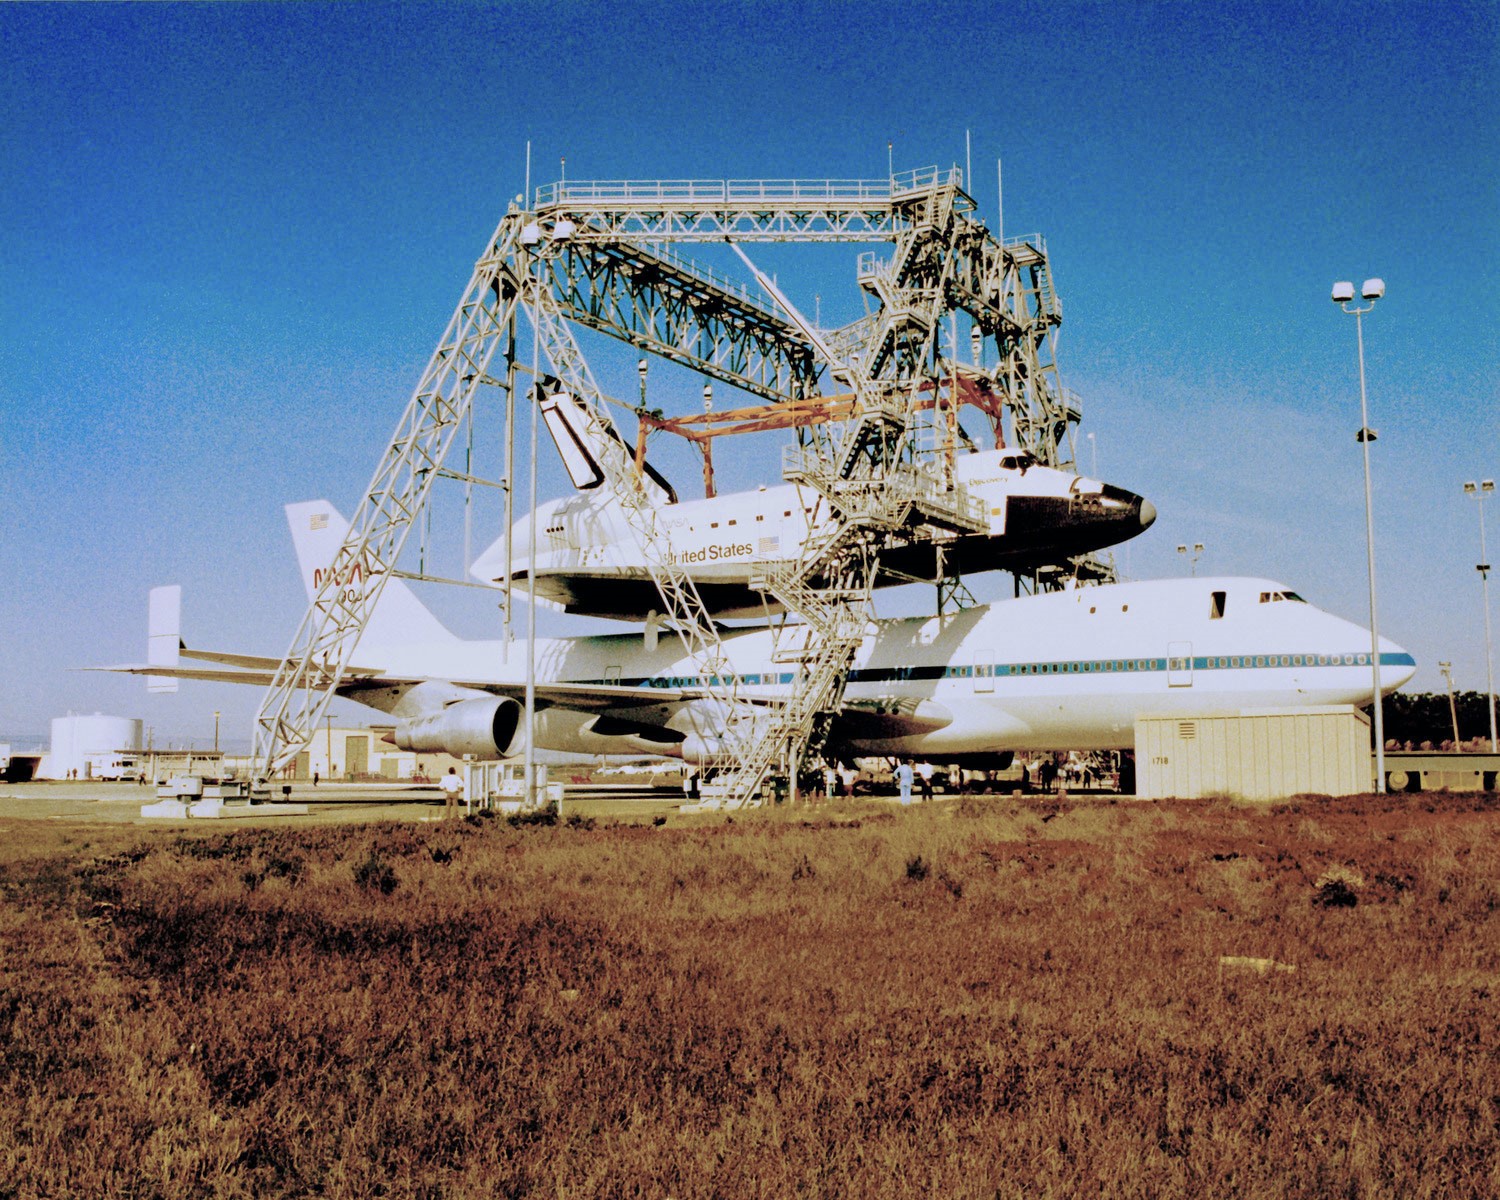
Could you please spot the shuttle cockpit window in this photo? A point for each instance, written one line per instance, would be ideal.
(1216, 603)
(1018, 460)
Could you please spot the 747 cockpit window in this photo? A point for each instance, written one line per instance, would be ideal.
(1272, 597)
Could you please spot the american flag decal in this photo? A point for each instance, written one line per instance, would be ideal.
(768, 545)
(318, 521)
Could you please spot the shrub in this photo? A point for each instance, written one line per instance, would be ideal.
(376, 875)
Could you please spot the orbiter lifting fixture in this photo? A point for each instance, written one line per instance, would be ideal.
(598, 254)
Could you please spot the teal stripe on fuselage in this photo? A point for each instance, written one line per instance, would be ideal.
(1041, 670)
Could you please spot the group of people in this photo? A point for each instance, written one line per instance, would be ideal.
(840, 780)
(1048, 775)
(920, 774)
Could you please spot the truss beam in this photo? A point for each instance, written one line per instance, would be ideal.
(683, 313)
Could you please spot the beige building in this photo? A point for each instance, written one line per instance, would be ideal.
(1254, 754)
(367, 754)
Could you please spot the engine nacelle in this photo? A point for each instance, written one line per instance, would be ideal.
(484, 727)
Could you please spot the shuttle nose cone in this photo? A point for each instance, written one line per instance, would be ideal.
(1148, 514)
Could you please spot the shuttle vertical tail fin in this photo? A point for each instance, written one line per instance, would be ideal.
(318, 530)
(584, 443)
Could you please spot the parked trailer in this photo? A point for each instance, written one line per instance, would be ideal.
(1440, 771)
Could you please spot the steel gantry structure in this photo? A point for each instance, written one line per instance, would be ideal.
(601, 255)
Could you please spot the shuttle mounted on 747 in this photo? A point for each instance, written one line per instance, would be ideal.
(587, 560)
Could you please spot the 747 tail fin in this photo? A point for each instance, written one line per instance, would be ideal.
(318, 530)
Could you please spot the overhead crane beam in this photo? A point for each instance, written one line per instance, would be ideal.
(1005, 288)
(667, 307)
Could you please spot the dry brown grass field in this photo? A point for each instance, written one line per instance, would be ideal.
(978, 998)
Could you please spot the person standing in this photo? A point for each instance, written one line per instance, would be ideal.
(452, 786)
(924, 780)
(904, 775)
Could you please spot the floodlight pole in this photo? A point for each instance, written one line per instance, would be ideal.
(1446, 668)
(1482, 492)
(1365, 436)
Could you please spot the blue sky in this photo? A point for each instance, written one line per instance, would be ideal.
(230, 237)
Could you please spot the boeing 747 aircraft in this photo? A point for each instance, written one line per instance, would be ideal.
(1064, 670)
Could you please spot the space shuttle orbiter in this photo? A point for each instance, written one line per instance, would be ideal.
(587, 559)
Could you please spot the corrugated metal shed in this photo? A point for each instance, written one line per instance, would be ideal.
(1254, 754)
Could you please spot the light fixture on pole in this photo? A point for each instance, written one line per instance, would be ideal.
(1343, 295)
(1446, 668)
(1197, 553)
(1482, 491)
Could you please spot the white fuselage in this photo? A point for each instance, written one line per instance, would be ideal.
(1064, 670)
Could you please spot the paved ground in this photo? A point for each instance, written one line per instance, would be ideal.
(120, 803)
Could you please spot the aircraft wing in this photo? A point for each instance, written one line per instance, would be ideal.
(589, 697)
(254, 662)
(586, 696)
(261, 678)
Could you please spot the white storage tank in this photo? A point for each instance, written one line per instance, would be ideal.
(78, 739)
(1254, 754)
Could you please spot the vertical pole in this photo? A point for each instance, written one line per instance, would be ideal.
(707, 445)
(468, 489)
(1000, 208)
(1447, 670)
(1364, 441)
(536, 357)
(510, 480)
(1489, 654)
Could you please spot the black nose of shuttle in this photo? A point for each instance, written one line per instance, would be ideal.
(1129, 509)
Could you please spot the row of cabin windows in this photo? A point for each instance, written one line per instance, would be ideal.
(1084, 668)
(736, 520)
(986, 671)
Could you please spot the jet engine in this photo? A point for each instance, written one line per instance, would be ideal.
(485, 727)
